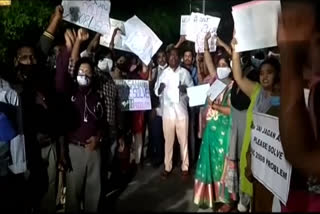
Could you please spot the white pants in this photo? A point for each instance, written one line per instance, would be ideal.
(170, 128)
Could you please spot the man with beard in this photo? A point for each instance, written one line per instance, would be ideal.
(40, 118)
(188, 63)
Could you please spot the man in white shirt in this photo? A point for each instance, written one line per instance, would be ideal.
(171, 87)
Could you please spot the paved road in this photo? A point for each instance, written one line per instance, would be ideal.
(148, 192)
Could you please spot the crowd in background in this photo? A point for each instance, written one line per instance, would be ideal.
(60, 114)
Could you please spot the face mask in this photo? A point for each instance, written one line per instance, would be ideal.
(275, 101)
(27, 71)
(121, 66)
(163, 67)
(83, 80)
(105, 64)
(223, 72)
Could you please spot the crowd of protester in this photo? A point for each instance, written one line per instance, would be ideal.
(61, 119)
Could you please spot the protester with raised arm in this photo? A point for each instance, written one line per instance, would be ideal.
(210, 187)
(32, 81)
(298, 41)
(263, 96)
(85, 135)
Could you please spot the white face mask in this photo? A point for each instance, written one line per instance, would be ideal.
(105, 64)
(83, 80)
(223, 72)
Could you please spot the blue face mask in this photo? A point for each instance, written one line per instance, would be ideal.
(275, 100)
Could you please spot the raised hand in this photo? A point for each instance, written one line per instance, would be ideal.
(82, 35)
(208, 36)
(70, 37)
(58, 13)
(182, 39)
(296, 23)
(233, 44)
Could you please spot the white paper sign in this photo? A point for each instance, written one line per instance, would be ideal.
(216, 89)
(140, 39)
(306, 96)
(93, 15)
(256, 24)
(198, 95)
(268, 163)
(199, 25)
(118, 39)
(183, 24)
(134, 95)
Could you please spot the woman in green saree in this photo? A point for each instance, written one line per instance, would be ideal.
(210, 185)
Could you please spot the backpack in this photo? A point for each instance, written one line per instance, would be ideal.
(7, 132)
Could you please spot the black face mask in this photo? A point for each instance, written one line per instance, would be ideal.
(122, 66)
(27, 72)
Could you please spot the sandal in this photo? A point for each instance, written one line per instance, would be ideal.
(165, 174)
(225, 208)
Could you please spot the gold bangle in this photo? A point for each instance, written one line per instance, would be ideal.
(49, 35)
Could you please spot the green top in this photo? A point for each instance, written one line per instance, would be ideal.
(246, 185)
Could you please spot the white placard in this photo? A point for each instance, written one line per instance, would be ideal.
(216, 89)
(183, 24)
(93, 15)
(198, 95)
(268, 163)
(197, 29)
(306, 95)
(256, 24)
(118, 39)
(140, 39)
(134, 95)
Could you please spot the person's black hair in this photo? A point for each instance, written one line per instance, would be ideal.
(174, 49)
(160, 51)
(222, 56)
(101, 53)
(276, 65)
(188, 50)
(83, 60)
(24, 44)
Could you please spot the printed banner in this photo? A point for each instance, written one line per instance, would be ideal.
(93, 15)
(118, 39)
(197, 28)
(268, 163)
(141, 40)
(256, 24)
(134, 95)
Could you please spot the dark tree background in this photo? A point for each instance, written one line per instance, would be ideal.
(25, 20)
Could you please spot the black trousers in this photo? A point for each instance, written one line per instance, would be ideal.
(156, 140)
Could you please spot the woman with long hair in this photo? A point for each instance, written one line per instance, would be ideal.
(209, 185)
